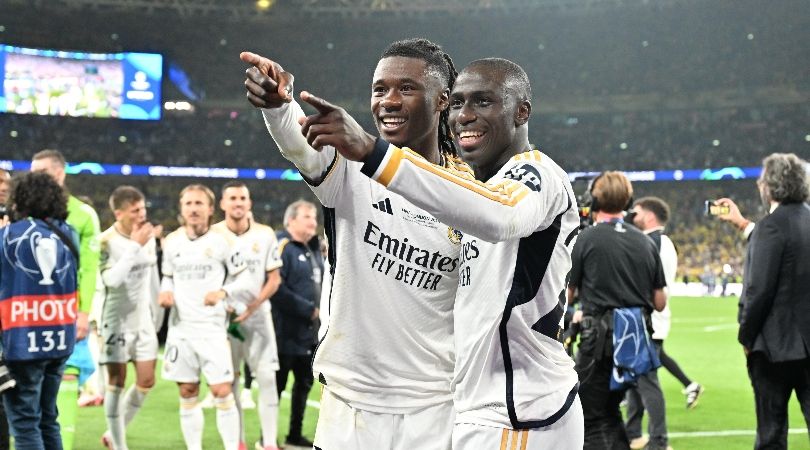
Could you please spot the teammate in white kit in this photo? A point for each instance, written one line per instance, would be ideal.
(196, 261)
(386, 360)
(130, 276)
(254, 248)
(514, 383)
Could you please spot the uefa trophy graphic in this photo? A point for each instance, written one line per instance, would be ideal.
(45, 256)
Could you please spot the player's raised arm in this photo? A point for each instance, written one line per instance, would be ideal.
(114, 271)
(521, 203)
(270, 88)
(526, 198)
(332, 126)
(268, 84)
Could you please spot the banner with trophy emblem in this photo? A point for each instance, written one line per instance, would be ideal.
(38, 302)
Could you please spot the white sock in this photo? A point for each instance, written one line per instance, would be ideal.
(191, 422)
(133, 400)
(268, 406)
(227, 421)
(235, 389)
(115, 420)
(101, 381)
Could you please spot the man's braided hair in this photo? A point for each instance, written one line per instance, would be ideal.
(439, 64)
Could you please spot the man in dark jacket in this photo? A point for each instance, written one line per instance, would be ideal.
(296, 310)
(775, 305)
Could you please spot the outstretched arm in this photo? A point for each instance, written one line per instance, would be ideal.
(270, 88)
(527, 199)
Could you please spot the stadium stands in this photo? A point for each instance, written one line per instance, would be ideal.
(724, 91)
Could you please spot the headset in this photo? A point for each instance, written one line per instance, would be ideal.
(589, 204)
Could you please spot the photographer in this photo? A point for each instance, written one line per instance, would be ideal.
(37, 307)
(616, 272)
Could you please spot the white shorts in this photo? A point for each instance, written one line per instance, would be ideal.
(568, 433)
(341, 427)
(122, 347)
(258, 348)
(185, 358)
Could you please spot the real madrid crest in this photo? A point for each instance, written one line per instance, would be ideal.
(209, 252)
(454, 235)
(255, 247)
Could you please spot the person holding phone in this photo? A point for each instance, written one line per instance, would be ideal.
(733, 216)
(774, 313)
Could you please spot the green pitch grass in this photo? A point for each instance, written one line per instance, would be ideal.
(703, 341)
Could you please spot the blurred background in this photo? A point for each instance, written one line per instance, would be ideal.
(690, 94)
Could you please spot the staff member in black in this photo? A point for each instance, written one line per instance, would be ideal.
(614, 265)
(296, 310)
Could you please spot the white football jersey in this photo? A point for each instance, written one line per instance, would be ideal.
(129, 273)
(662, 320)
(511, 369)
(196, 267)
(389, 344)
(253, 254)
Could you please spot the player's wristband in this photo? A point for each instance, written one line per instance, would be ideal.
(372, 162)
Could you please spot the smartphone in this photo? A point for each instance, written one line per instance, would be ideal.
(710, 209)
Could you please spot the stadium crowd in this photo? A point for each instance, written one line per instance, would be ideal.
(655, 96)
(642, 140)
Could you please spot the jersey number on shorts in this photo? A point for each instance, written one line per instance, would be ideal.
(120, 339)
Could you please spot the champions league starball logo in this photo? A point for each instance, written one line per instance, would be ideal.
(41, 265)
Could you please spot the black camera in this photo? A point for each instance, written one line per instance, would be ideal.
(582, 192)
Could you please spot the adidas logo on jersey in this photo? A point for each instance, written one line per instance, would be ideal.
(384, 206)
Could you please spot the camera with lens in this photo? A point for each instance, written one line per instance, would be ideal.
(582, 191)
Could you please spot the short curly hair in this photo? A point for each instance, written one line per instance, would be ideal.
(37, 195)
(785, 176)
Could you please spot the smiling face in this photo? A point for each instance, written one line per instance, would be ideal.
(485, 116)
(235, 202)
(406, 100)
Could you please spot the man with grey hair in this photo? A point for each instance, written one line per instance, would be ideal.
(296, 310)
(774, 310)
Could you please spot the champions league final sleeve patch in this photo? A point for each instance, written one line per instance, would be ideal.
(526, 174)
(454, 235)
